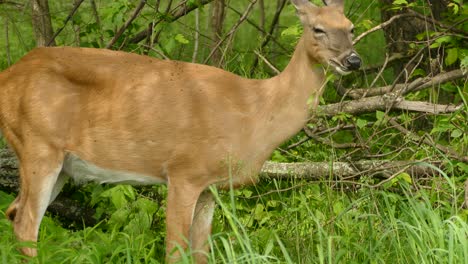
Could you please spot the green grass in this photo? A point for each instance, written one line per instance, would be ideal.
(314, 223)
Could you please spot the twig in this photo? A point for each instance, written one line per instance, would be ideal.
(125, 26)
(175, 14)
(448, 151)
(267, 62)
(383, 103)
(72, 13)
(272, 37)
(18, 5)
(438, 23)
(98, 22)
(426, 83)
(273, 26)
(310, 134)
(381, 26)
(465, 203)
(233, 29)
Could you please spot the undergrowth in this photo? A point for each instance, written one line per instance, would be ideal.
(298, 222)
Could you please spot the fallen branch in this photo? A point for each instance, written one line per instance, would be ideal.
(383, 103)
(344, 170)
(75, 212)
(421, 85)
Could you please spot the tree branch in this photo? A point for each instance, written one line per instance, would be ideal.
(125, 26)
(174, 15)
(72, 13)
(382, 103)
(420, 84)
(233, 29)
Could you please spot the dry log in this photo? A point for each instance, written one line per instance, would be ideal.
(75, 212)
(345, 170)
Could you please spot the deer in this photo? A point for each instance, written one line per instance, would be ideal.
(116, 117)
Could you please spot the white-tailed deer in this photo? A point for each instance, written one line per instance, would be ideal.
(122, 118)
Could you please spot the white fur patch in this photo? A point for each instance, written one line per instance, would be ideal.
(45, 194)
(83, 171)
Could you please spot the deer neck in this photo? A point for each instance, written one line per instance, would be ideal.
(291, 96)
(303, 78)
(298, 88)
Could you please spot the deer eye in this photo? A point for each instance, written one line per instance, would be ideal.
(352, 31)
(318, 30)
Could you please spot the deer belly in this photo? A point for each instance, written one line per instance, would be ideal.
(83, 171)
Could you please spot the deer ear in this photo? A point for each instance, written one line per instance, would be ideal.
(336, 3)
(301, 5)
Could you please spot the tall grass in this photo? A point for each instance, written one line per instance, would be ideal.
(315, 223)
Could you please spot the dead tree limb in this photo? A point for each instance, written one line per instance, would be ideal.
(344, 170)
(382, 103)
(75, 212)
(302, 170)
(421, 85)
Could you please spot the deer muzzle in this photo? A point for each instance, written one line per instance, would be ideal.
(353, 62)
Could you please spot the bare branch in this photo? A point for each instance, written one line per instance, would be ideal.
(125, 26)
(383, 103)
(381, 26)
(233, 29)
(343, 170)
(72, 13)
(175, 14)
(267, 62)
(426, 83)
(447, 150)
(427, 107)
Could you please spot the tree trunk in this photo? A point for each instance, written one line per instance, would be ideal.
(41, 22)
(217, 21)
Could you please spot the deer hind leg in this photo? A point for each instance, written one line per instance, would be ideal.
(181, 203)
(38, 178)
(201, 226)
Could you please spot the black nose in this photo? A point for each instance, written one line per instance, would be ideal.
(353, 62)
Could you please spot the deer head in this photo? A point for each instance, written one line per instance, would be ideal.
(328, 35)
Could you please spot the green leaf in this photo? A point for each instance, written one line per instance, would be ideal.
(361, 123)
(291, 31)
(400, 2)
(405, 177)
(380, 115)
(181, 39)
(454, 7)
(456, 133)
(452, 56)
(463, 166)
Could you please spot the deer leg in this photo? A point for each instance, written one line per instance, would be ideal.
(38, 178)
(61, 180)
(181, 202)
(201, 226)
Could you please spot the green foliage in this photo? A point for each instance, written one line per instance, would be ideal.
(402, 220)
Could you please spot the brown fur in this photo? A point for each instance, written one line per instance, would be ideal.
(184, 123)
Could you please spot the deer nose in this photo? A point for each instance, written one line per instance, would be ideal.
(353, 62)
